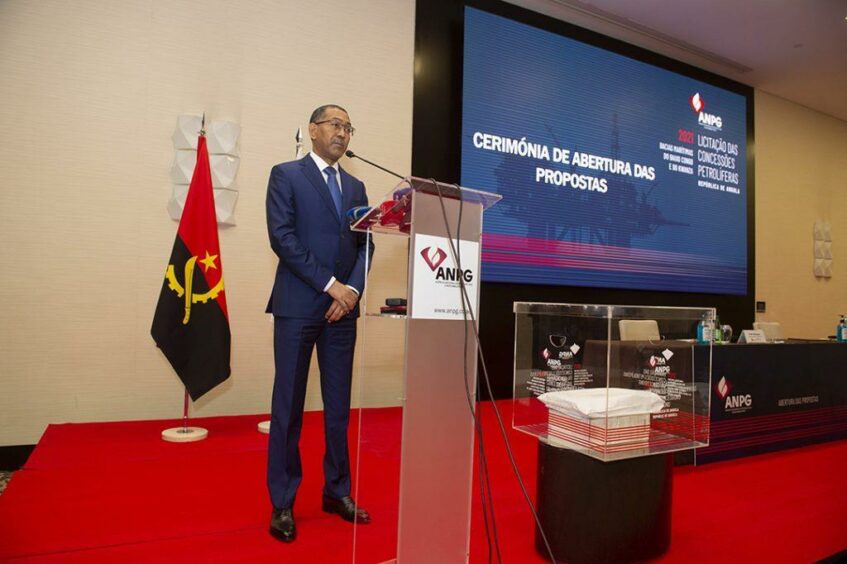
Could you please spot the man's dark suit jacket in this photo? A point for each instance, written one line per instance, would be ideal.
(312, 242)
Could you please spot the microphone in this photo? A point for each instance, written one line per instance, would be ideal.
(355, 214)
(353, 155)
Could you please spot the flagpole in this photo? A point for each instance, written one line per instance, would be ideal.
(185, 412)
(186, 434)
(265, 426)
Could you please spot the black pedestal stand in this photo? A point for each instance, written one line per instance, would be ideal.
(599, 512)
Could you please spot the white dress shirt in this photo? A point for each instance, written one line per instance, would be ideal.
(322, 164)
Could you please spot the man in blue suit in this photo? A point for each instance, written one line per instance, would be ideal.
(319, 279)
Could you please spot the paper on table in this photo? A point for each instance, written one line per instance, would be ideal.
(600, 402)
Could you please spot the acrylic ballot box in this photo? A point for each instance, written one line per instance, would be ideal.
(610, 392)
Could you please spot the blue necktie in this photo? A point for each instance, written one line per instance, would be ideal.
(334, 189)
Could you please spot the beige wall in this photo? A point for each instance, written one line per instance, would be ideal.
(89, 97)
(801, 177)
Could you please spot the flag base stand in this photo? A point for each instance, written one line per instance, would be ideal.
(264, 426)
(184, 434)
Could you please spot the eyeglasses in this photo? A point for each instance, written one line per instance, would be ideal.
(338, 125)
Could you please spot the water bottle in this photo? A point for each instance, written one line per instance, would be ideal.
(704, 331)
(841, 330)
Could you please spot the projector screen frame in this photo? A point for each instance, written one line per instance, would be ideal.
(436, 153)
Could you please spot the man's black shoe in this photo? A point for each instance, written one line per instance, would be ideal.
(282, 525)
(346, 507)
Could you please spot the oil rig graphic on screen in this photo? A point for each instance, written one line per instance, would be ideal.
(625, 212)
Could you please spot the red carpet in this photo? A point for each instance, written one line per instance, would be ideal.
(106, 492)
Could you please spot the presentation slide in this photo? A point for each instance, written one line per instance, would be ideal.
(614, 173)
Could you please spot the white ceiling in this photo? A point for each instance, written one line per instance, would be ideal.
(795, 49)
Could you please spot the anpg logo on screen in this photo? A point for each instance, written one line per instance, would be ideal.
(708, 121)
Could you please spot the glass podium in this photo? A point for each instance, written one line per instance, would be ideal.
(413, 457)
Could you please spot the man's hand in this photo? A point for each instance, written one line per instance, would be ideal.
(336, 311)
(346, 297)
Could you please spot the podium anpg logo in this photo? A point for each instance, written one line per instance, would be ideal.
(433, 257)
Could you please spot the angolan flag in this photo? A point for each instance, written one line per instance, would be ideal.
(191, 324)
